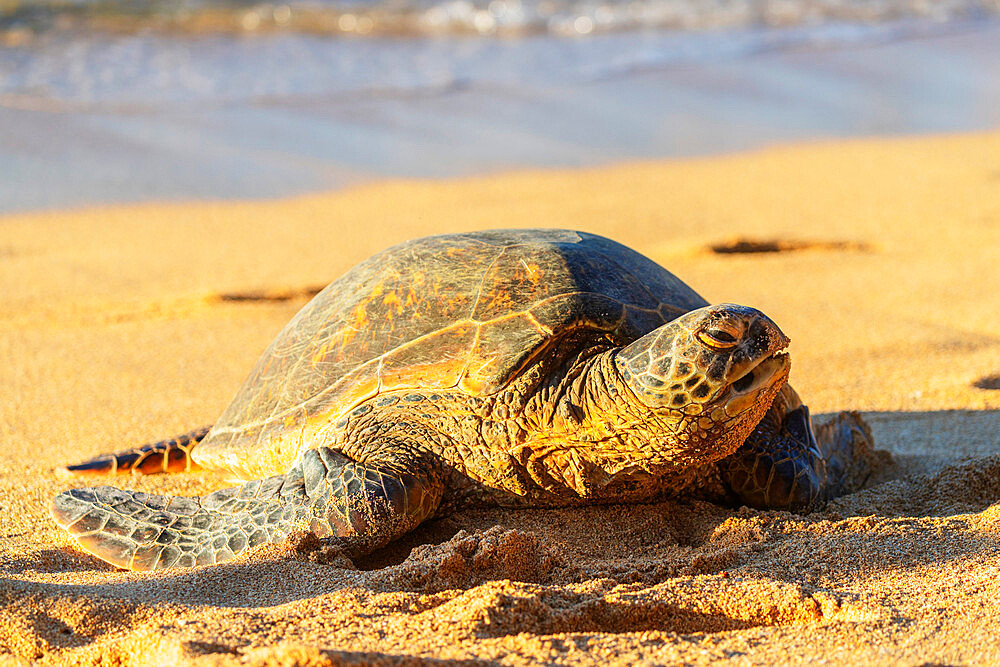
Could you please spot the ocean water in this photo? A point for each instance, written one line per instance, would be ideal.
(107, 101)
(505, 18)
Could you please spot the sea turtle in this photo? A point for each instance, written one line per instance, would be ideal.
(514, 367)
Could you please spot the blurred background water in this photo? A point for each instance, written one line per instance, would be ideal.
(116, 100)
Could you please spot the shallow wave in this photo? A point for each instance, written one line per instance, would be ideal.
(23, 20)
(150, 73)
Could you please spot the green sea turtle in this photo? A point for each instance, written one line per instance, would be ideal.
(513, 367)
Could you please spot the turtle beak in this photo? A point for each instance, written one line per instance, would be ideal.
(759, 365)
(772, 371)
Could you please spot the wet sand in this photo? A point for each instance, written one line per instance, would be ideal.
(119, 326)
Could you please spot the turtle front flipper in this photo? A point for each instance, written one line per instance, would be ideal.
(171, 455)
(364, 505)
(787, 464)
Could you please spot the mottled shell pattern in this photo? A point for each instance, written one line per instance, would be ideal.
(462, 312)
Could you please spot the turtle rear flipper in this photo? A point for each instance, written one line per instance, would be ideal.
(171, 455)
(366, 506)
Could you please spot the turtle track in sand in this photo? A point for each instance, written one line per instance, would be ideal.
(989, 382)
(274, 294)
(743, 245)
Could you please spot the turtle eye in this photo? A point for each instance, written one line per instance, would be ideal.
(717, 338)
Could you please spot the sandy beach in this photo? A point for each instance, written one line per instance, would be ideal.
(122, 325)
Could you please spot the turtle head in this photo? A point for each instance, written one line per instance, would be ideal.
(711, 374)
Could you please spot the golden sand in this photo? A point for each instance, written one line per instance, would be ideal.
(121, 325)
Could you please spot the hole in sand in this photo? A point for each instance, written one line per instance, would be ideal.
(711, 604)
(749, 246)
(988, 382)
(434, 532)
(272, 295)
